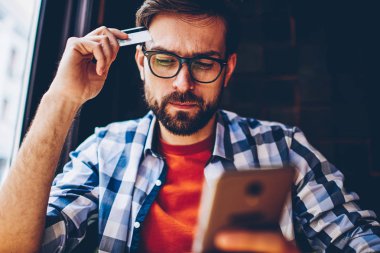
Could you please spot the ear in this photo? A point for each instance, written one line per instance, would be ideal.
(139, 57)
(231, 64)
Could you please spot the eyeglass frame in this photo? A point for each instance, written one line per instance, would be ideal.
(188, 60)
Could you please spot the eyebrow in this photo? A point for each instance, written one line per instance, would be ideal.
(207, 53)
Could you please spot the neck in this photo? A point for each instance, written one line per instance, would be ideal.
(201, 135)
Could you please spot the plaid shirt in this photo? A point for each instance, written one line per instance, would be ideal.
(114, 176)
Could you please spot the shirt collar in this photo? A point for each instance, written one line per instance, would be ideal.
(150, 144)
(223, 145)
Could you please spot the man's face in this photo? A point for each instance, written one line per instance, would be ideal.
(182, 105)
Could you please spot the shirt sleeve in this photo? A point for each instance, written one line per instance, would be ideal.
(73, 201)
(325, 214)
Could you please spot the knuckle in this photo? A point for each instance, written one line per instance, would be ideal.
(103, 28)
(98, 45)
(72, 43)
(72, 40)
(104, 38)
(115, 44)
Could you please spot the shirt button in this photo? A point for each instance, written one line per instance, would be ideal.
(158, 182)
(137, 224)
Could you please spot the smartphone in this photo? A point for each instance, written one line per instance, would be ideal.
(247, 199)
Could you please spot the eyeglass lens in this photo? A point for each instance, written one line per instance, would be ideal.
(167, 66)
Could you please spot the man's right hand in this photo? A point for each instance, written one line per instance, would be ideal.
(79, 78)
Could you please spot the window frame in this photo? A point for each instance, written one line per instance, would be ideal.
(56, 22)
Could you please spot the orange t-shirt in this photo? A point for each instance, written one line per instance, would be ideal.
(170, 223)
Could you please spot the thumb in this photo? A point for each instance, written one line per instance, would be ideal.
(253, 241)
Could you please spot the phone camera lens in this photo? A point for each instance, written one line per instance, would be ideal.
(254, 189)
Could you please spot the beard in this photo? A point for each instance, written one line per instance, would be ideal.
(182, 123)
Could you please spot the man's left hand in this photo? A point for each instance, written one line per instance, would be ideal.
(253, 241)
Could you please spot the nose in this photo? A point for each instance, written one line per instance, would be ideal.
(183, 82)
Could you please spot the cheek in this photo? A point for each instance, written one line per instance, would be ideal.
(155, 88)
(211, 95)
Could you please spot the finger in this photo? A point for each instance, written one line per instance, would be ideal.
(107, 49)
(86, 47)
(118, 33)
(106, 45)
(258, 241)
(112, 34)
(104, 30)
(113, 42)
(97, 31)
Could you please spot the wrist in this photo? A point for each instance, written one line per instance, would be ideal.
(62, 93)
(61, 102)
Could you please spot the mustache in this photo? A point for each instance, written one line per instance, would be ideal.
(187, 97)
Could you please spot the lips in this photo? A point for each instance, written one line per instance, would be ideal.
(183, 105)
(179, 103)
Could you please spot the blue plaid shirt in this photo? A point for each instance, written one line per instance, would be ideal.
(114, 176)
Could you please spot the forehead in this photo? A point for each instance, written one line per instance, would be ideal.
(188, 35)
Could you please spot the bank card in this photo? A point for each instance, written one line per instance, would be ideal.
(135, 35)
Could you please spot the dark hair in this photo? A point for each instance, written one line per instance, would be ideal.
(223, 9)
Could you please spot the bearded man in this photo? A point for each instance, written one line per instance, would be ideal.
(141, 180)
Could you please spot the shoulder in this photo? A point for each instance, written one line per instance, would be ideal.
(121, 130)
(253, 126)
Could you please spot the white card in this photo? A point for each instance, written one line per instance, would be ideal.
(135, 35)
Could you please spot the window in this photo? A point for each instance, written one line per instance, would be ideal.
(18, 25)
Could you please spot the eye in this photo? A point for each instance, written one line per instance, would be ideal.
(203, 64)
(164, 61)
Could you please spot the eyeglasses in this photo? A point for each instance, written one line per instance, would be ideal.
(203, 69)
